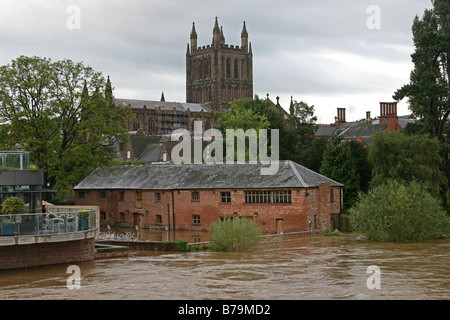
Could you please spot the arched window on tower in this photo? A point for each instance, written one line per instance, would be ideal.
(236, 69)
(200, 75)
(228, 75)
(206, 64)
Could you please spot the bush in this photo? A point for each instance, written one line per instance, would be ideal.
(13, 205)
(234, 235)
(328, 232)
(399, 212)
(83, 214)
(181, 245)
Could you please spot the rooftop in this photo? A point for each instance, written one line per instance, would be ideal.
(202, 176)
(162, 105)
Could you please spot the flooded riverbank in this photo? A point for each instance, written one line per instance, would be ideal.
(306, 267)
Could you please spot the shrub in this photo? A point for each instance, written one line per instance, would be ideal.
(399, 212)
(181, 245)
(83, 214)
(234, 235)
(13, 205)
(328, 232)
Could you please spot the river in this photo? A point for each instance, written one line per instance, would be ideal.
(304, 267)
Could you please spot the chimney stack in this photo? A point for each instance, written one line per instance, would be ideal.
(340, 118)
(368, 119)
(388, 113)
(387, 109)
(340, 114)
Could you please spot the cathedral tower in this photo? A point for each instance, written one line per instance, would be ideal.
(218, 73)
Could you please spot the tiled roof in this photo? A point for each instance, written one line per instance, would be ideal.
(202, 176)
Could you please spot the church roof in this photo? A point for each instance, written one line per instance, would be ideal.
(161, 105)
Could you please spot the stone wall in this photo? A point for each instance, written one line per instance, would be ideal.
(46, 253)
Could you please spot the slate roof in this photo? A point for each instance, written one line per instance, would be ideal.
(162, 105)
(140, 143)
(363, 130)
(202, 176)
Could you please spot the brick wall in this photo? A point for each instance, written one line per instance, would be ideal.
(30, 255)
(146, 209)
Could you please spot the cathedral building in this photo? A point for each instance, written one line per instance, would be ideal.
(218, 73)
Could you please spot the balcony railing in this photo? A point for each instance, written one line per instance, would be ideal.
(47, 223)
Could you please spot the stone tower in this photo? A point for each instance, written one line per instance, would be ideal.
(218, 73)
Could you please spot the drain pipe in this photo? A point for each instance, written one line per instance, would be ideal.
(173, 210)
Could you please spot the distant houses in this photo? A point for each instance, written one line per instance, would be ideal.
(364, 130)
(192, 196)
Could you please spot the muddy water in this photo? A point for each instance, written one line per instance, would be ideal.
(307, 267)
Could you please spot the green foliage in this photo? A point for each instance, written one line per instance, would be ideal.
(83, 214)
(311, 154)
(55, 111)
(399, 212)
(339, 164)
(406, 158)
(328, 232)
(429, 84)
(296, 131)
(244, 118)
(13, 205)
(302, 121)
(362, 164)
(235, 235)
(181, 245)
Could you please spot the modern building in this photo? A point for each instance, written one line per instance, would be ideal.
(191, 197)
(17, 179)
(218, 73)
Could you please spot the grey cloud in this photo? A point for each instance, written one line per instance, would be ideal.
(142, 44)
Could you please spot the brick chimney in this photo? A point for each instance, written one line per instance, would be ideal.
(340, 117)
(388, 113)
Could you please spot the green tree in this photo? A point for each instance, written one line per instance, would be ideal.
(363, 166)
(405, 158)
(303, 121)
(429, 87)
(339, 164)
(311, 155)
(55, 110)
(241, 117)
(399, 212)
(296, 130)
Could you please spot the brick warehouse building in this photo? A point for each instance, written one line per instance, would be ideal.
(191, 197)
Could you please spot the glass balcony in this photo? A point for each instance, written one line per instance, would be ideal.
(48, 223)
(18, 160)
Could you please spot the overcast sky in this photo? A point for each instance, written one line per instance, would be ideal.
(329, 53)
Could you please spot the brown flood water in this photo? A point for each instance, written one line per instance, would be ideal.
(305, 267)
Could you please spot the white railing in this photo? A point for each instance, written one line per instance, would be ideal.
(47, 223)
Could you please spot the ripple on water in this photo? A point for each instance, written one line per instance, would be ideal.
(313, 267)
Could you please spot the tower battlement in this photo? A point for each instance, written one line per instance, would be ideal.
(218, 73)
